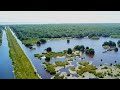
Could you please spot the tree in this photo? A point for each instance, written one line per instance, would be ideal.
(80, 48)
(43, 41)
(47, 59)
(116, 49)
(77, 47)
(49, 49)
(68, 41)
(28, 45)
(110, 43)
(90, 51)
(38, 43)
(69, 51)
(87, 47)
(118, 43)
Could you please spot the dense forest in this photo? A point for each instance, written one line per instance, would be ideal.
(35, 32)
(1, 27)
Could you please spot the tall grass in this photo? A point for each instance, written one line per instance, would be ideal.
(22, 66)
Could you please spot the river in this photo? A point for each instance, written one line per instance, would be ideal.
(6, 68)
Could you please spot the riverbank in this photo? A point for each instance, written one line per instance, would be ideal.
(22, 66)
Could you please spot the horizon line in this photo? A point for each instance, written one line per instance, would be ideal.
(14, 23)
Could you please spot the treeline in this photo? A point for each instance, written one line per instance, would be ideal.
(25, 32)
(1, 27)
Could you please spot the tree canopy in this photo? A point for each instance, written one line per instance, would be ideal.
(26, 32)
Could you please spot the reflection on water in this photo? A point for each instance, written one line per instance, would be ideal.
(5, 61)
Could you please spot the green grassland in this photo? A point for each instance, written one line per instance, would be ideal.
(22, 66)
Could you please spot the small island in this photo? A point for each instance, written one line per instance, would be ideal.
(110, 46)
(76, 51)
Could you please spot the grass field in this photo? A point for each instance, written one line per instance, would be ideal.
(22, 67)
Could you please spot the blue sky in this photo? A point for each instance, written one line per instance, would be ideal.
(45, 17)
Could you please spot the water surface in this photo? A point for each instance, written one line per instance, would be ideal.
(6, 68)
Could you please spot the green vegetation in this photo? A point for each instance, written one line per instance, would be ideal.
(106, 47)
(60, 63)
(50, 54)
(117, 65)
(0, 37)
(95, 38)
(1, 28)
(84, 63)
(86, 68)
(90, 51)
(110, 44)
(115, 36)
(50, 68)
(79, 47)
(47, 58)
(99, 74)
(72, 69)
(48, 31)
(38, 56)
(116, 49)
(41, 41)
(22, 66)
(118, 43)
(69, 51)
(68, 41)
(105, 67)
(58, 77)
(49, 49)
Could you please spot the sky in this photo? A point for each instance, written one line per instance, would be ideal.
(46, 17)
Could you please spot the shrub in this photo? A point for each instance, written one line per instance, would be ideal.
(58, 77)
(116, 49)
(49, 49)
(69, 51)
(47, 59)
(68, 41)
(90, 51)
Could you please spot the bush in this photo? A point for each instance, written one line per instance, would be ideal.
(79, 48)
(90, 51)
(69, 51)
(72, 69)
(49, 49)
(116, 49)
(68, 41)
(47, 59)
(38, 43)
(118, 42)
(28, 45)
(110, 43)
(50, 68)
(105, 67)
(58, 77)
(87, 47)
(38, 56)
(60, 63)
(100, 75)
(43, 41)
(68, 74)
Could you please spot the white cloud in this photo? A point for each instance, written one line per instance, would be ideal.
(60, 16)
